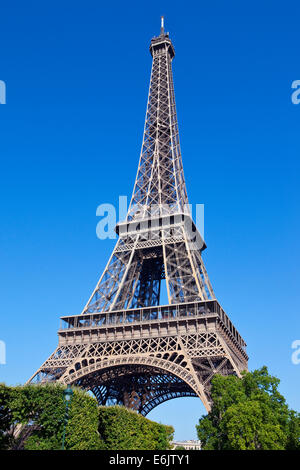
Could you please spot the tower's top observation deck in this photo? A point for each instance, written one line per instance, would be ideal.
(161, 42)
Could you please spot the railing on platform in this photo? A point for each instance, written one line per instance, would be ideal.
(150, 314)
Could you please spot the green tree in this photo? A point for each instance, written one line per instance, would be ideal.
(82, 424)
(32, 417)
(6, 418)
(122, 429)
(40, 411)
(82, 429)
(249, 414)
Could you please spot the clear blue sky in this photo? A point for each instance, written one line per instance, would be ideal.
(77, 76)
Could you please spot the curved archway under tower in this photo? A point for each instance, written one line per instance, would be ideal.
(140, 387)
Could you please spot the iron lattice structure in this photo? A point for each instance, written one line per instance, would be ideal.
(125, 347)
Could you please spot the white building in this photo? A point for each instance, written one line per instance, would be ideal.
(188, 445)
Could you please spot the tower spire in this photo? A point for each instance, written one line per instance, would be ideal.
(162, 30)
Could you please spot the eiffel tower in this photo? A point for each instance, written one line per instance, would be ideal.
(125, 346)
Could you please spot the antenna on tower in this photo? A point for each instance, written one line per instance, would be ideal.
(162, 31)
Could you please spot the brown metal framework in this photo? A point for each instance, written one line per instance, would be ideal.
(124, 346)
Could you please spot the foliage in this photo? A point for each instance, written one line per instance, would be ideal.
(249, 414)
(41, 412)
(6, 419)
(122, 429)
(33, 417)
(82, 429)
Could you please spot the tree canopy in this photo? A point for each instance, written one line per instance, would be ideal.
(33, 417)
(249, 414)
(122, 429)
